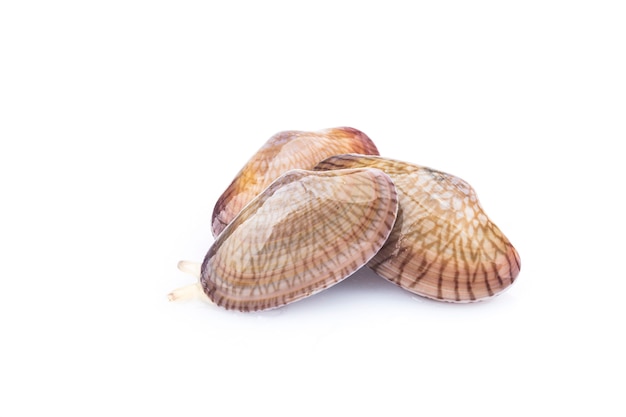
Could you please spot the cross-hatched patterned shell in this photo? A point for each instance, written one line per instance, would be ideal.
(282, 152)
(305, 232)
(443, 245)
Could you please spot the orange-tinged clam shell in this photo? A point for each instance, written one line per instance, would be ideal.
(305, 232)
(443, 245)
(282, 152)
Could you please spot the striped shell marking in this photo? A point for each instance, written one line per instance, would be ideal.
(305, 232)
(443, 245)
(281, 153)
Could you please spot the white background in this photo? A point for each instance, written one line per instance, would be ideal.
(121, 122)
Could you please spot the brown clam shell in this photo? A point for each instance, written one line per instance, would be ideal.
(307, 231)
(282, 152)
(443, 245)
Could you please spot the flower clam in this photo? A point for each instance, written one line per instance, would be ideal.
(282, 152)
(307, 231)
(421, 229)
(443, 245)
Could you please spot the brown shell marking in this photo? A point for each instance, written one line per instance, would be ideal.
(305, 232)
(282, 152)
(443, 245)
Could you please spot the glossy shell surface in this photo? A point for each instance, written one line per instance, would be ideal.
(443, 245)
(281, 153)
(305, 232)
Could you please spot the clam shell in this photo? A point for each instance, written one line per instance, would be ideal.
(443, 245)
(282, 152)
(305, 232)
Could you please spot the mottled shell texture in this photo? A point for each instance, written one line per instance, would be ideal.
(443, 245)
(282, 152)
(305, 232)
